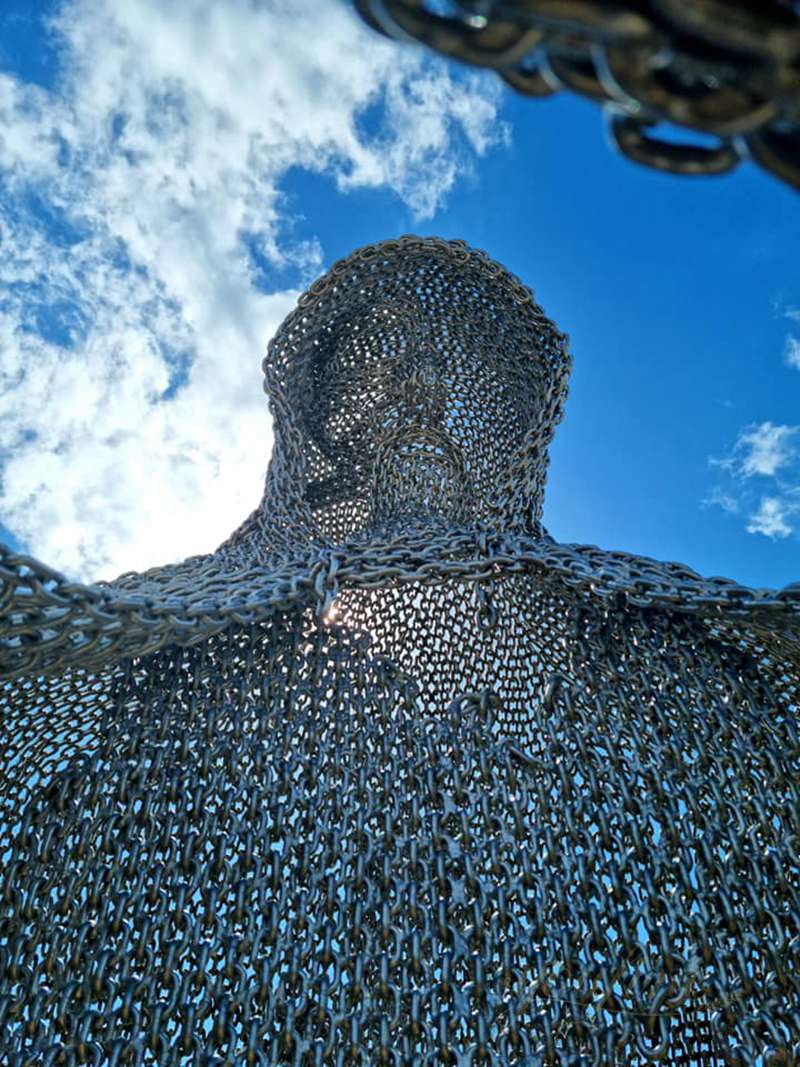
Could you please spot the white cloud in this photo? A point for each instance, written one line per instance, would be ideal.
(771, 518)
(763, 453)
(792, 351)
(132, 319)
(792, 348)
(765, 449)
(764, 456)
(726, 501)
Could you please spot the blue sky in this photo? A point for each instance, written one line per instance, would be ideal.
(170, 179)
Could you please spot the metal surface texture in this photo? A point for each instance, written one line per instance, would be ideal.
(727, 69)
(392, 777)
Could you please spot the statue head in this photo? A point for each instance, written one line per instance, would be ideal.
(416, 382)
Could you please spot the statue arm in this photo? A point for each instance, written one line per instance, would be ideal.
(49, 623)
(771, 615)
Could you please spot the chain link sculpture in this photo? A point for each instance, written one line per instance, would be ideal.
(392, 777)
(726, 68)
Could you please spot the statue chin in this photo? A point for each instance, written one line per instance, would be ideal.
(419, 474)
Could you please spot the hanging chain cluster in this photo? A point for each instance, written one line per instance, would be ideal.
(392, 778)
(728, 69)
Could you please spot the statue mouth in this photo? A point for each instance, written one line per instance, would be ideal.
(416, 438)
(419, 444)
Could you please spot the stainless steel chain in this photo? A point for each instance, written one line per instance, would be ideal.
(392, 778)
(726, 69)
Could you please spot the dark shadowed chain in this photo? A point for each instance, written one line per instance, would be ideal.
(726, 69)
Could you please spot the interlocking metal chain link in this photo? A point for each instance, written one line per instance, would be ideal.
(393, 778)
(726, 69)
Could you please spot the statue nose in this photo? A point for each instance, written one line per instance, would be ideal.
(421, 397)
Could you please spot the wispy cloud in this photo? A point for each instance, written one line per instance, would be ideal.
(763, 453)
(771, 518)
(791, 352)
(133, 429)
(719, 498)
(765, 449)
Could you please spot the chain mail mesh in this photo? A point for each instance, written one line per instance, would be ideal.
(392, 777)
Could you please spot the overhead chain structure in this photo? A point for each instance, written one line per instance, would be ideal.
(728, 70)
(392, 777)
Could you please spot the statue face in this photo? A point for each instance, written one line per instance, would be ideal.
(416, 378)
(420, 411)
